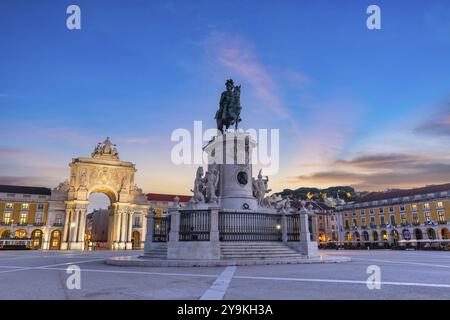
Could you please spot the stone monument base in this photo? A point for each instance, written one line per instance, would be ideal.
(141, 261)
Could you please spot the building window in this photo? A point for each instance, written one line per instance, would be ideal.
(7, 218)
(26, 196)
(372, 222)
(414, 207)
(380, 210)
(427, 216)
(58, 219)
(402, 208)
(363, 221)
(440, 204)
(382, 222)
(355, 223)
(441, 216)
(38, 218)
(346, 224)
(391, 209)
(25, 206)
(8, 205)
(426, 206)
(392, 220)
(23, 218)
(137, 221)
(415, 218)
(40, 206)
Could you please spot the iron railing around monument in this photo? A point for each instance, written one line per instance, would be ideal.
(161, 229)
(195, 225)
(293, 227)
(245, 226)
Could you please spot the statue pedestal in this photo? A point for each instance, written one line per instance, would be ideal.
(231, 153)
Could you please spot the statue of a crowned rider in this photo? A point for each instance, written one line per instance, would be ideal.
(229, 107)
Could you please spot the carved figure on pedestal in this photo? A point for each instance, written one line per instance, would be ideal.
(83, 180)
(211, 181)
(285, 206)
(270, 201)
(260, 188)
(199, 187)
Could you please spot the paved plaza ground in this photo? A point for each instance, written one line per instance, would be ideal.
(404, 275)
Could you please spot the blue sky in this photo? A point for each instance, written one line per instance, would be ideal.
(354, 106)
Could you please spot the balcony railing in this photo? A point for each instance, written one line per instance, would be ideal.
(5, 223)
(38, 224)
(137, 225)
(57, 224)
(22, 224)
(442, 222)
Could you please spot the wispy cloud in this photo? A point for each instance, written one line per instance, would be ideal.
(380, 171)
(439, 121)
(135, 140)
(239, 58)
(383, 160)
(36, 181)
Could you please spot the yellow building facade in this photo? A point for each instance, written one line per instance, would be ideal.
(24, 218)
(397, 217)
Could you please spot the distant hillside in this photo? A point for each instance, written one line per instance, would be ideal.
(317, 193)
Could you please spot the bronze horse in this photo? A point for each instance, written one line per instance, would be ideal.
(230, 107)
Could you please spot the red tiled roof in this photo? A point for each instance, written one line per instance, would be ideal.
(166, 197)
(399, 193)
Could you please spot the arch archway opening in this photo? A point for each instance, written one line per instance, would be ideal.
(20, 234)
(445, 234)
(55, 240)
(431, 234)
(36, 239)
(418, 234)
(365, 235)
(6, 234)
(375, 236)
(97, 219)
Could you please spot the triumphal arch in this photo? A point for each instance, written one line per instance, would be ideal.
(103, 172)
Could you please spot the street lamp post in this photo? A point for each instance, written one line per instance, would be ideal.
(12, 234)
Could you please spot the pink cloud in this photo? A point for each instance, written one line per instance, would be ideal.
(238, 57)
